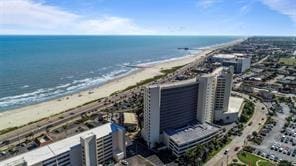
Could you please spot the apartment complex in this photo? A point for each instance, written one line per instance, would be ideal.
(239, 62)
(92, 147)
(187, 106)
(206, 97)
(168, 106)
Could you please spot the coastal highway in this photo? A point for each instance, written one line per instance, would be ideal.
(20, 134)
(39, 127)
(258, 119)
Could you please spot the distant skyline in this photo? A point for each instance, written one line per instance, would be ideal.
(148, 17)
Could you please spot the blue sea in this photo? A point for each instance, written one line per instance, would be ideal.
(39, 68)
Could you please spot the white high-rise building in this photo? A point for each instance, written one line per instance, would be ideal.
(214, 94)
(206, 98)
(223, 92)
(150, 131)
(92, 147)
(168, 106)
(175, 105)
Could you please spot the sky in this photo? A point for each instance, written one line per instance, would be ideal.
(148, 17)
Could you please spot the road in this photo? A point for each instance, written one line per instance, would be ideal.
(39, 127)
(261, 60)
(220, 159)
(20, 134)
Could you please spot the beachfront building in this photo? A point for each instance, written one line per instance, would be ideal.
(214, 97)
(92, 147)
(206, 97)
(239, 62)
(168, 106)
(222, 97)
(171, 107)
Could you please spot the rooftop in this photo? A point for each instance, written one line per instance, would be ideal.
(50, 150)
(225, 56)
(130, 118)
(229, 56)
(235, 104)
(191, 132)
(175, 84)
(215, 72)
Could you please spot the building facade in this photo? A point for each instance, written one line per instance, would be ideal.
(92, 147)
(206, 96)
(222, 93)
(239, 62)
(181, 139)
(176, 105)
(168, 106)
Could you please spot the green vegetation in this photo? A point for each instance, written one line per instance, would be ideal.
(7, 130)
(143, 82)
(202, 153)
(92, 101)
(285, 163)
(214, 152)
(247, 112)
(288, 61)
(250, 159)
(171, 70)
(280, 99)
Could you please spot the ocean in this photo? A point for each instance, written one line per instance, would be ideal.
(39, 68)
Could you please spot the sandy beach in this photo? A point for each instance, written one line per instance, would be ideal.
(35, 112)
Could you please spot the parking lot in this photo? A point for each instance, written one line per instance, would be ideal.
(279, 143)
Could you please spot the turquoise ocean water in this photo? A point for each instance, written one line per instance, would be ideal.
(38, 68)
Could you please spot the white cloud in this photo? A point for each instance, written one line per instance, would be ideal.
(31, 17)
(246, 8)
(207, 3)
(286, 7)
(115, 25)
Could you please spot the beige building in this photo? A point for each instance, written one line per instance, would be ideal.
(130, 121)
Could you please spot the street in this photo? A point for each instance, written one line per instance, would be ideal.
(36, 128)
(220, 158)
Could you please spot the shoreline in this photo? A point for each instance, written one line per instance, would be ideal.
(24, 115)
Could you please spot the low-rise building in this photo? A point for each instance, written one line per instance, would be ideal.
(266, 95)
(130, 121)
(44, 139)
(233, 111)
(180, 140)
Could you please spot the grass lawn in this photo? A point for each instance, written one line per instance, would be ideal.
(288, 61)
(250, 159)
